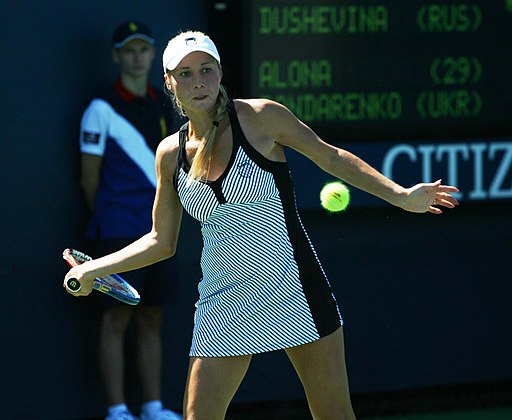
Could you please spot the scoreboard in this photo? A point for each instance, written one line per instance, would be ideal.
(383, 70)
(420, 89)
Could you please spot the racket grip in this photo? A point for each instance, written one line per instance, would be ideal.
(73, 285)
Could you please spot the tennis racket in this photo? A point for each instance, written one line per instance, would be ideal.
(113, 284)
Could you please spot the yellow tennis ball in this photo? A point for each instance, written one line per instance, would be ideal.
(334, 197)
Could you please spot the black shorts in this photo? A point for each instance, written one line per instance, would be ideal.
(157, 284)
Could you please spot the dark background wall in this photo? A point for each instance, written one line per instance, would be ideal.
(426, 300)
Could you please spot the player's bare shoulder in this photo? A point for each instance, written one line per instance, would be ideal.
(266, 113)
(170, 144)
(259, 108)
(167, 155)
(261, 122)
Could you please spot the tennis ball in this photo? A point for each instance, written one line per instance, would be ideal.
(334, 197)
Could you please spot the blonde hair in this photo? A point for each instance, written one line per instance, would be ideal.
(201, 161)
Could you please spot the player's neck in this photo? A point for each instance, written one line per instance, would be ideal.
(136, 85)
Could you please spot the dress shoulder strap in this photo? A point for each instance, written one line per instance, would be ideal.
(182, 160)
(238, 134)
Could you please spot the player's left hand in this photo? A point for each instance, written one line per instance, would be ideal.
(428, 197)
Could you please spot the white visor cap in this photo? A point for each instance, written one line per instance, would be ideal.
(184, 44)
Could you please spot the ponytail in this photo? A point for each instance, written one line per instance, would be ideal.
(201, 162)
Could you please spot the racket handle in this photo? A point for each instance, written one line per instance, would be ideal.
(73, 285)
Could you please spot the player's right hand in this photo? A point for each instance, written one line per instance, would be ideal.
(86, 283)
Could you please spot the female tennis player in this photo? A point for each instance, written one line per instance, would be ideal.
(263, 287)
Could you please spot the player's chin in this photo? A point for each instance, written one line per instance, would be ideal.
(203, 102)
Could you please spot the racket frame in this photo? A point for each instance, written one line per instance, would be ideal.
(101, 284)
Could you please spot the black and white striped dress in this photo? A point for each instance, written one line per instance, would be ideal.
(263, 287)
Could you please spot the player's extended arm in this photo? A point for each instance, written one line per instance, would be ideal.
(289, 131)
(156, 245)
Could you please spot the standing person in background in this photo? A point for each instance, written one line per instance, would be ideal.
(120, 131)
(263, 287)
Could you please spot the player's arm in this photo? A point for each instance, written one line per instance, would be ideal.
(288, 131)
(167, 208)
(90, 177)
(158, 244)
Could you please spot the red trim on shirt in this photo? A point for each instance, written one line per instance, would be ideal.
(128, 96)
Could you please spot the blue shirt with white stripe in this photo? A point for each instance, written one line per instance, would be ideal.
(125, 131)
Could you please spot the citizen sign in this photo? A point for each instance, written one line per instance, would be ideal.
(481, 170)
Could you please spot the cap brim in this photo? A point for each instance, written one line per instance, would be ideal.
(173, 63)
